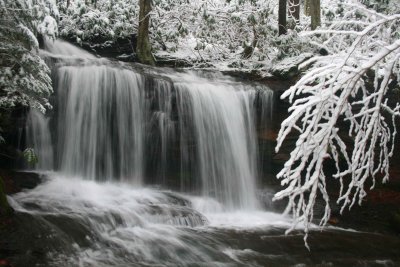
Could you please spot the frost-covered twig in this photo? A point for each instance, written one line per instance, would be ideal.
(337, 89)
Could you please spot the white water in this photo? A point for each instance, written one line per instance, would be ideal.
(155, 126)
(222, 118)
(122, 225)
(65, 50)
(101, 123)
(117, 224)
(39, 137)
(129, 128)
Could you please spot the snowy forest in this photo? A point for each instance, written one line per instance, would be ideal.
(199, 133)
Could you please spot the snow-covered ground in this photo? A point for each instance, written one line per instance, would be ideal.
(216, 32)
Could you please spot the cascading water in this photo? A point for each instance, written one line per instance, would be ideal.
(117, 123)
(101, 123)
(38, 136)
(221, 118)
(115, 130)
(133, 126)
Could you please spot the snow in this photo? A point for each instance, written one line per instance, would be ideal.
(214, 33)
(290, 63)
(48, 27)
(28, 82)
(30, 35)
(333, 90)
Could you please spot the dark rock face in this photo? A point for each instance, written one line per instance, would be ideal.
(379, 211)
(122, 48)
(25, 239)
(395, 221)
(5, 209)
(28, 240)
(12, 129)
(15, 182)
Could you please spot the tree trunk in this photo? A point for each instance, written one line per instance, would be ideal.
(307, 7)
(294, 9)
(315, 11)
(282, 17)
(143, 47)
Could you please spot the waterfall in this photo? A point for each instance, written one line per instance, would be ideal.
(100, 123)
(189, 131)
(39, 138)
(221, 117)
(159, 167)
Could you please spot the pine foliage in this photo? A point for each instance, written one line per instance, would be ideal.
(24, 77)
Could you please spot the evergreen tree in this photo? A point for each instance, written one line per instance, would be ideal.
(24, 77)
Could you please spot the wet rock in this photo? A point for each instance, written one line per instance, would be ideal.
(12, 123)
(395, 221)
(177, 200)
(323, 52)
(15, 181)
(281, 157)
(30, 241)
(5, 209)
(120, 48)
(5, 263)
(333, 220)
(268, 134)
(165, 60)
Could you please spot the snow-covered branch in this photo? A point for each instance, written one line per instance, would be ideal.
(339, 90)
